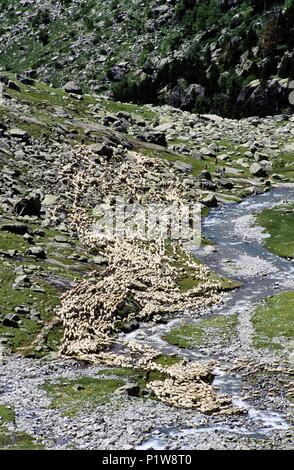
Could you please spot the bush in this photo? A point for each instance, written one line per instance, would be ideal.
(42, 18)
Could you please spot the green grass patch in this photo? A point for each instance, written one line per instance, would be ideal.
(7, 414)
(11, 241)
(279, 224)
(197, 165)
(18, 441)
(139, 376)
(285, 166)
(207, 332)
(273, 322)
(141, 111)
(167, 361)
(72, 396)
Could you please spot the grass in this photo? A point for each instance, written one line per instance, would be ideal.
(7, 414)
(273, 322)
(72, 396)
(17, 441)
(11, 241)
(188, 280)
(20, 339)
(206, 332)
(285, 166)
(140, 377)
(167, 361)
(141, 111)
(279, 224)
(197, 165)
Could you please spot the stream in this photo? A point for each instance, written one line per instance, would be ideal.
(237, 253)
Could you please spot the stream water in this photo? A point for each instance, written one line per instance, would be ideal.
(238, 253)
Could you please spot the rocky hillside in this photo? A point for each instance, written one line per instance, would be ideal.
(233, 57)
(62, 154)
(65, 294)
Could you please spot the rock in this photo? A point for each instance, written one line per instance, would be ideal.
(154, 137)
(11, 320)
(22, 282)
(25, 80)
(259, 156)
(183, 167)
(206, 175)
(209, 200)
(227, 184)
(31, 73)
(131, 390)
(101, 260)
(28, 206)
(79, 387)
(165, 127)
(72, 87)
(17, 227)
(103, 150)
(208, 152)
(50, 200)
(38, 232)
(264, 99)
(185, 97)
(28, 238)
(36, 252)
(117, 72)
(276, 177)
(257, 170)
(18, 134)
(138, 285)
(223, 158)
(13, 86)
(22, 310)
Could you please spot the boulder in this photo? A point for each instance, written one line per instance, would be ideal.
(185, 97)
(36, 252)
(183, 167)
(18, 134)
(154, 137)
(11, 320)
(206, 175)
(13, 86)
(257, 170)
(103, 150)
(72, 87)
(30, 206)
(131, 390)
(22, 282)
(17, 227)
(209, 200)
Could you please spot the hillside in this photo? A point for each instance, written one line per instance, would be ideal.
(146, 225)
(231, 57)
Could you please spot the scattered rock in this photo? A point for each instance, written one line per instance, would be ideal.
(36, 252)
(131, 390)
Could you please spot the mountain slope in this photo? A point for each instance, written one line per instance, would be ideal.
(197, 55)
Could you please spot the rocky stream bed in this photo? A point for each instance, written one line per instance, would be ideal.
(143, 423)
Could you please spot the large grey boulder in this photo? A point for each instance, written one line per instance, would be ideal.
(257, 170)
(72, 87)
(28, 206)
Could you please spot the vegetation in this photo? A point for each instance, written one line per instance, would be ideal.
(72, 396)
(279, 225)
(273, 322)
(207, 332)
(190, 28)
